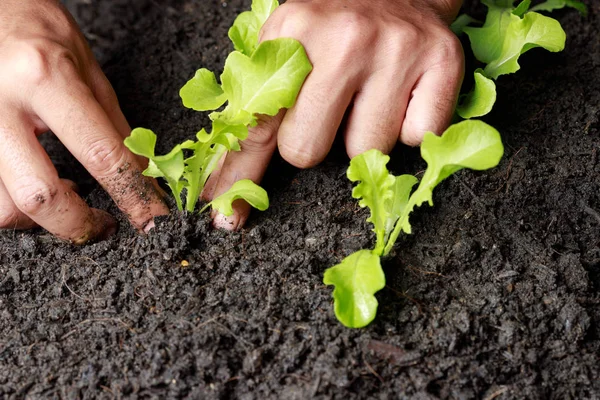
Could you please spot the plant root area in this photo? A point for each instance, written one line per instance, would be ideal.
(496, 295)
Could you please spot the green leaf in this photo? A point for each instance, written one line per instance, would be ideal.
(522, 8)
(264, 83)
(263, 9)
(202, 92)
(170, 166)
(487, 41)
(550, 5)
(246, 28)
(356, 279)
(141, 142)
(375, 190)
(468, 144)
(244, 32)
(480, 100)
(533, 30)
(403, 185)
(458, 26)
(244, 189)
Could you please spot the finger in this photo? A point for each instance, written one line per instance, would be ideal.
(211, 184)
(377, 115)
(10, 216)
(433, 100)
(34, 187)
(107, 98)
(83, 126)
(249, 163)
(308, 129)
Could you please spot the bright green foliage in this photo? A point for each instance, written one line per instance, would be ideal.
(460, 23)
(257, 79)
(375, 190)
(246, 28)
(509, 32)
(263, 83)
(202, 92)
(479, 101)
(243, 189)
(357, 278)
(523, 34)
(522, 8)
(468, 144)
(550, 5)
(403, 186)
(170, 167)
(487, 40)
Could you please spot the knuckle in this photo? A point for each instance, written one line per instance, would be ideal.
(409, 34)
(448, 51)
(37, 60)
(33, 62)
(297, 156)
(103, 156)
(35, 198)
(356, 32)
(290, 20)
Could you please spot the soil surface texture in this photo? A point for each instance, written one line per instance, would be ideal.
(496, 295)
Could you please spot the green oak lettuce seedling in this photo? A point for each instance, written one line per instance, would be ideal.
(258, 78)
(508, 32)
(469, 144)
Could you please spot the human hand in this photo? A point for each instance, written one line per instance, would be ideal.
(393, 64)
(49, 80)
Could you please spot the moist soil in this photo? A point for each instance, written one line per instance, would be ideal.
(495, 295)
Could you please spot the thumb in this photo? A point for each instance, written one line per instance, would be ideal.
(249, 163)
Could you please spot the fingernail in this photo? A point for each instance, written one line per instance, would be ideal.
(149, 226)
(221, 221)
(106, 224)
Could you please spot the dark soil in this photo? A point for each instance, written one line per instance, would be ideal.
(496, 295)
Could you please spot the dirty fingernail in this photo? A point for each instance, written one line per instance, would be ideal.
(149, 226)
(223, 222)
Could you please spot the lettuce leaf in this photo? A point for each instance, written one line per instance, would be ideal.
(202, 92)
(550, 5)
(469, 144)
(522, 35)
(246, 27)
(263, 83)
(242, 189)
(375, 189)
(356, 279)
(480, 100)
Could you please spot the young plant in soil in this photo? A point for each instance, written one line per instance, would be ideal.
(468, 144)
(508, 32)
(258, 78)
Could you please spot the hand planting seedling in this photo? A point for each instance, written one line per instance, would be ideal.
(468, 144)
(257, 79)
(508, 32)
